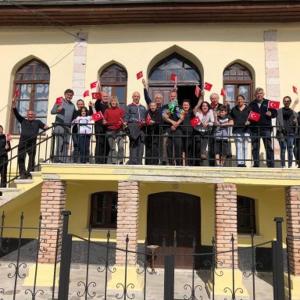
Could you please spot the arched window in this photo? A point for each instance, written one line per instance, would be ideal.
(32, 81)
(114, 82)
(187, 74)
(104, 210)
(246, 215)
(237, 79)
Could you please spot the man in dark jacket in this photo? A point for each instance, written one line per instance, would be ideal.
(102, 147)
(135, 120)
(153, 122)
(27, 144)
(262, 128)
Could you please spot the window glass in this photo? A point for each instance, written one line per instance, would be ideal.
(32, 80)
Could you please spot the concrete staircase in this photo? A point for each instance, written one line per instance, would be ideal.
(19, 187)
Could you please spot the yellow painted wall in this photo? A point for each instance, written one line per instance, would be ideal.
(269, 203)
(210, 46)
(29, 204)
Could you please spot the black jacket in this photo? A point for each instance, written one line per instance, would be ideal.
(264, 121)
(29, 129)
(3, 142)
(157, 118)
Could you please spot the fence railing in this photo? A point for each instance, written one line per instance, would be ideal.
(89, 276)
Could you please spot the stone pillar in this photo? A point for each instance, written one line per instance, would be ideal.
(127, 221)
(226, 223)
(79, 65)
(53, 201)
(272, 65)
(293, 227)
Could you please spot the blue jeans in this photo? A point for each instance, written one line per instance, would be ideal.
(84, 147)
(286, 142)
(241, 143)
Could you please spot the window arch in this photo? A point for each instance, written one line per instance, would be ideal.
(32, 81)
(188, 75)
(246, 215)
(114, 82)
(237, 79)
(186, 71)
(104, 210)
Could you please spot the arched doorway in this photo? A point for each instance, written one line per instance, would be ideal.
(187, 73)
(173, 223)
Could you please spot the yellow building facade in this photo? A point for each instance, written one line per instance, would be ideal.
(77, 55)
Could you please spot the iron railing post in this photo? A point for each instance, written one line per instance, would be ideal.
(65, 261)
(279, 259)
(169, 278)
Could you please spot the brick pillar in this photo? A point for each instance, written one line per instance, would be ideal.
(226, 223)
(293, 227)
(127, 221)
(53, 200)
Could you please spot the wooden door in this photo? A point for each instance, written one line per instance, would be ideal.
(174, 224)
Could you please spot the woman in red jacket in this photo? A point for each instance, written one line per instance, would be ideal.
(113, 120)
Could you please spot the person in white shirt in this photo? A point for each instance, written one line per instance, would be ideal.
(85, 128)
(202, 131)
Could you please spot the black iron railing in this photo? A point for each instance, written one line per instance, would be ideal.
(88, 277)
(184, 146)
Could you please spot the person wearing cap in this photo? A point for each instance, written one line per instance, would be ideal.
(135, 121)
(65, 112)
(30, 128)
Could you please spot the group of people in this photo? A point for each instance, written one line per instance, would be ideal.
(169, 133)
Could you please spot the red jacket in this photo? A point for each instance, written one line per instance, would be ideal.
(114, 117)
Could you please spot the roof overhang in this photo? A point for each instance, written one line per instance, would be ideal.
(70, 13)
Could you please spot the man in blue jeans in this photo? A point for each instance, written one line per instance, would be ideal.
(262, 129)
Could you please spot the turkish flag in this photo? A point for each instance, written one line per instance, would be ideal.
(59, 100)
(273, 104)
(173, 77)
(197, 91)
(93, 84)
(148, 120)
(207, 86)
(97, 96)
(97, 116)
(195, 122)
(17, 93)
(139, 75)
(223, 92)
(254, 116)
(295, 90)
(86, 93)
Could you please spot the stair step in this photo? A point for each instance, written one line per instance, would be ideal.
(9, 190)
(23, 181)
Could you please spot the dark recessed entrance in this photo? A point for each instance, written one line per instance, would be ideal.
(174, 225)
(187, 73)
